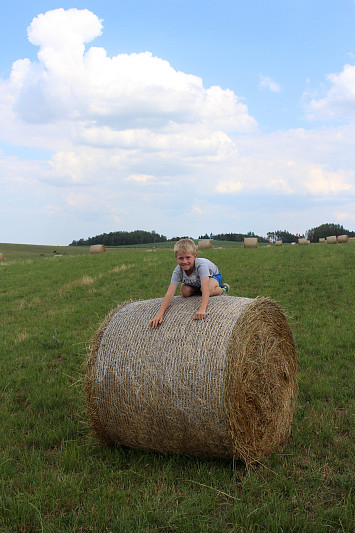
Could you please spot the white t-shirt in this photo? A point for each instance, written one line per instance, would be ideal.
(204, 268)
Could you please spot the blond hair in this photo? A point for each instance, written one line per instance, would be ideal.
(185, 245)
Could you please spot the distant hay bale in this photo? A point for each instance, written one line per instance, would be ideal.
(303, 241)
(343, 238)
(278, 243)
(321, 239)
(205, 244)
(351, 239)
(250, 242)
(98, 249)
(184, 387)
(2, 256)
(332, 239)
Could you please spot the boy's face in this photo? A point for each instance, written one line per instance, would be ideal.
(186, 260)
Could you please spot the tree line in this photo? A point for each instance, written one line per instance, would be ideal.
(326, 230)
(235, 237)
(122, 238)
(125, 238)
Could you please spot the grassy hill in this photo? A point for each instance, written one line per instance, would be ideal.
(26, 251)
(55, 477)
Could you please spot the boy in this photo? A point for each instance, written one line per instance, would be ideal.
(198, 276)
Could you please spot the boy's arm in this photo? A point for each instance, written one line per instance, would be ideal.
(205, 289)
(158, 319)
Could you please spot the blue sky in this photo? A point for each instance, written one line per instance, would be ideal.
(182, 117)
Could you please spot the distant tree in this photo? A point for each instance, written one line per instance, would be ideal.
(234, 237)
(326, 230)
(122, 238)
(237, 237)
(179, 238)
(282, 235)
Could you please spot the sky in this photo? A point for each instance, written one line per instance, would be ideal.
(185, 117)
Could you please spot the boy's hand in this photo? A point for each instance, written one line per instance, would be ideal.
(158, 319)
(199, 315)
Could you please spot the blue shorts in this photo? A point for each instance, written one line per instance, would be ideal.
(218, 277)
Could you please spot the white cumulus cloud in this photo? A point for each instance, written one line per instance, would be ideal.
(126, 91)
(229, 186)
(339, 100)
(132, 141)
(322, 182)
(265, 82)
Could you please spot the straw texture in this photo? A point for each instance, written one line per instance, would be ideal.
(225, 386)
(98, 249)
(250, 242)
(343, 238)
(204, 244)
(332, 239)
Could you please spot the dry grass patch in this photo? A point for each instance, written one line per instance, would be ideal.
(20, 337)
(36, 301)
(121, 268)
(84, 281)
(21, 304)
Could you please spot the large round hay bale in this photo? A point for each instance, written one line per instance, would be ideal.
(225, 386)
(332, 239)
(278, 243)
(351, 239)
(250, 242)
(321, 239)
(302, 241)
(343, 238)
(98, 249)
(205, 244)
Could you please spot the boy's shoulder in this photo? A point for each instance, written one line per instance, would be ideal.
(201, 261)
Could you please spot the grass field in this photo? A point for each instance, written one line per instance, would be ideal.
(54, 475)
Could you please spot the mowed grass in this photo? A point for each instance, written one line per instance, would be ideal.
(54, 475)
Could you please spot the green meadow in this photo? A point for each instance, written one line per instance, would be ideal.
(56, 477)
